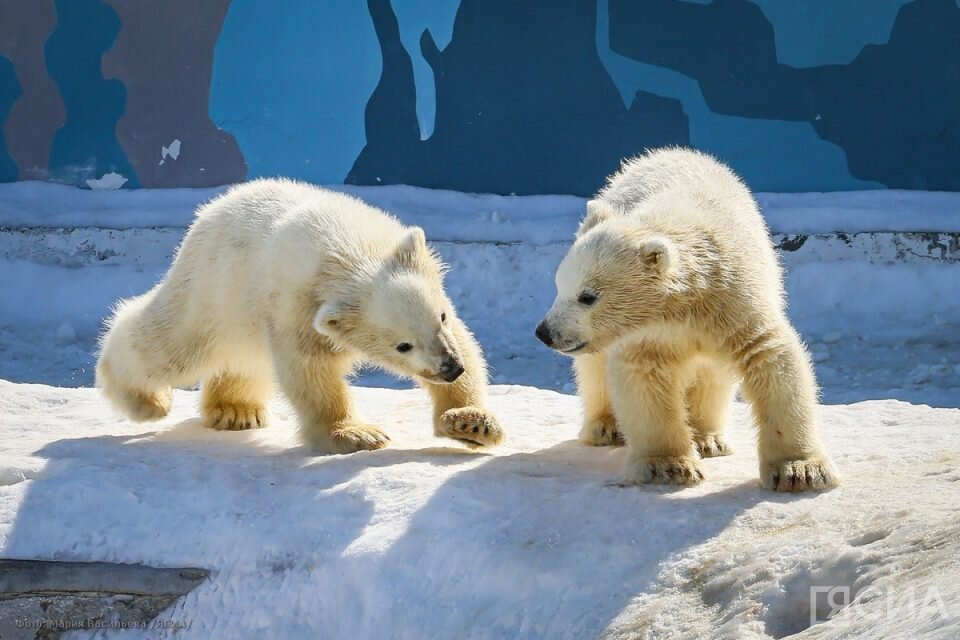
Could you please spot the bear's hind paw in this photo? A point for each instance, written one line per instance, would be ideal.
(676, 470)
(601, 432)
(142, 406)
(472, 426)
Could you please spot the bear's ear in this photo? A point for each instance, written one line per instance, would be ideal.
(412, 247)
(597, 212)
(659, 253)
(328, 319)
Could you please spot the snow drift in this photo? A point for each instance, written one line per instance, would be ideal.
(530, 540)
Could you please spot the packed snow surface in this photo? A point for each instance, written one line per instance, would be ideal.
(531, 540)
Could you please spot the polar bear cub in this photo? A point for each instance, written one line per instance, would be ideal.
(671, 294)
(279, 281)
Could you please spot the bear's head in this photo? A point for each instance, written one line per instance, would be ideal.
(398, 315)
(615, 280)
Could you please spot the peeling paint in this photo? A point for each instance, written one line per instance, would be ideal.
(110, 180)
(171, 151)
(792, 244)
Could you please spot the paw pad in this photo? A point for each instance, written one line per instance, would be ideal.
(473, 426)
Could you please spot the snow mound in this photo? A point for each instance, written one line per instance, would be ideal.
(426, 539)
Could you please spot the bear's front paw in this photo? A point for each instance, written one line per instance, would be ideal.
(681, 470)
(601, 432)
(351, 437)
(235, 417)
(472, 426)
(711, 445)
(811, 474)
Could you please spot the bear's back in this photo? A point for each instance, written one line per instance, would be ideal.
(300, 217)
(683, 188)
(692, 197)
(676, 170)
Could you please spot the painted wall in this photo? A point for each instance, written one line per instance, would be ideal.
(505, 96)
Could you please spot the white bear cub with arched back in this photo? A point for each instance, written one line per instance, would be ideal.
(671, 294)
(279, 281)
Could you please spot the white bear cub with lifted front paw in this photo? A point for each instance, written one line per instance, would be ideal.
(672, 293)
(282, 281)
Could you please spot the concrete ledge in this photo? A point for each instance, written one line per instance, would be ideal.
(872, 247)
(41, 599)
(151, 247)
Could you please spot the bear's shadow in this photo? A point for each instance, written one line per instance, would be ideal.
(544, 524)
(577, 541)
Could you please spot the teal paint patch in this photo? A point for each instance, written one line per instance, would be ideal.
(524, 105)
(86, 146)
(415, 17)
(871, 108)
(818, 32)
(771, 155)
(10, 92)
(291, 81)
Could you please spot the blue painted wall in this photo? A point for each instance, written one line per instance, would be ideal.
(86, 147)
(530, 96)
(10, 92)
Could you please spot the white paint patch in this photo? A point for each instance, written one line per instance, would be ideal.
(107, 181)
(172, 151)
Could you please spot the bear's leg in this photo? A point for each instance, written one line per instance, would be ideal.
(140, 361)
(235, 402)
(647, 391)
(312, 376)
(459, 408)
(137, 404)
(599, 426)
(708, 405)
(778, 380)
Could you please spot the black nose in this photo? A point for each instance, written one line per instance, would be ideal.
(543, 332)
(450, 370)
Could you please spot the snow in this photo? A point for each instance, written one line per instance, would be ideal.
(855, 211)
(530, 540)
(470, 217)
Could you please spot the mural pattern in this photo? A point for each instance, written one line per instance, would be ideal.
(523, 97)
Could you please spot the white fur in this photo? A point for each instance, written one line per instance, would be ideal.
(690, 300)
(282, 281)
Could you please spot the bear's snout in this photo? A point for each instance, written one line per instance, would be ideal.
(450, 369)
(543, 332)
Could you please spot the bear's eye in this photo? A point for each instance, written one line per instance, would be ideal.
(403, 347)
(443, 317)
(587, 298)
